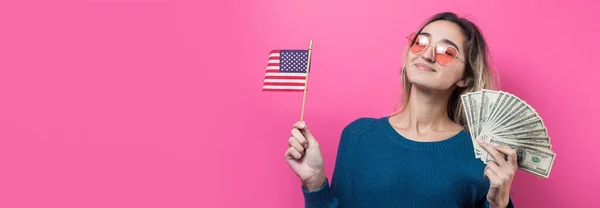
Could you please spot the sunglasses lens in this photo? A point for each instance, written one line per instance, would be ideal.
(419, 44)
(411, 37)
(444, 54)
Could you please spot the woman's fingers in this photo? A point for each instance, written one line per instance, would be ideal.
(296, 145)
(292, 153)
(511, 153)
(300, 125)
(300, 137)
(498, 157)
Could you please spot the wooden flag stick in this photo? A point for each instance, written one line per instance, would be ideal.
(306, 80)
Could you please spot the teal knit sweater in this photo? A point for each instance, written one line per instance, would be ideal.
(377, 167)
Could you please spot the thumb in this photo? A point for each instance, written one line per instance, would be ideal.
(309, 137)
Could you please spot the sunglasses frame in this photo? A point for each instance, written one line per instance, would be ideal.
(412, 42)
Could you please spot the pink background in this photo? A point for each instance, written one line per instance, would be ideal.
(114, 103)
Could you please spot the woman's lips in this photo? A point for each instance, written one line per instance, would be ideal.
(424, 67)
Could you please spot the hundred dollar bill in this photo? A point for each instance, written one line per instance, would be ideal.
(510, 123)
(547, 147)
(525, 139)
(499, 105)
(536, 161)
(523, 113)
(538, 145)
(512, 105)
(526, 133)
(535, 124)
(510, 118)
(473, 102)
(469, 116)
(488, 99)
(504, 102)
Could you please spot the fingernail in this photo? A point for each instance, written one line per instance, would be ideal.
(479, 140)
(303, 124)
(496, 145)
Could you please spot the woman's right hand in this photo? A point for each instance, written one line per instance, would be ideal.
(305, 158)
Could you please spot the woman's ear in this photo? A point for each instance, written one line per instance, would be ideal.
(462, 82)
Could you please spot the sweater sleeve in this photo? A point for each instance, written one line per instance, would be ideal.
(322, 197)
(328, 196)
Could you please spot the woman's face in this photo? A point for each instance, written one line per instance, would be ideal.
(437, 72)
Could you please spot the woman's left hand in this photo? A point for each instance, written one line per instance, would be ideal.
(500, 173)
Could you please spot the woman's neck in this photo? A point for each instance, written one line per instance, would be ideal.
(426, 111)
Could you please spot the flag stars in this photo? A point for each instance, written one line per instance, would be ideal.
(293, 61)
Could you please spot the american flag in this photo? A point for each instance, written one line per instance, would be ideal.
(286, 70)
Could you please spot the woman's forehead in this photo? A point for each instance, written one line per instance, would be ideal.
(440, 30)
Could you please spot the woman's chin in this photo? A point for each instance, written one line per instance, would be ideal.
(424, 86)
(428, 85)
(423, 81)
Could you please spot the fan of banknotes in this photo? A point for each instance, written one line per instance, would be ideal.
(499, 117)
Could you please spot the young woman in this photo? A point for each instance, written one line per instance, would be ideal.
(421, 155)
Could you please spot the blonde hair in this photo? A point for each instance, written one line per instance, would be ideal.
(478, 74)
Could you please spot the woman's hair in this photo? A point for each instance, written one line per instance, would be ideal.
(478, 74)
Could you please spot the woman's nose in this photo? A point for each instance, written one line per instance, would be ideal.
(428, 54)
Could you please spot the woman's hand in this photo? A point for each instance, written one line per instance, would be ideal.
(500, 173)
(304, 157)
